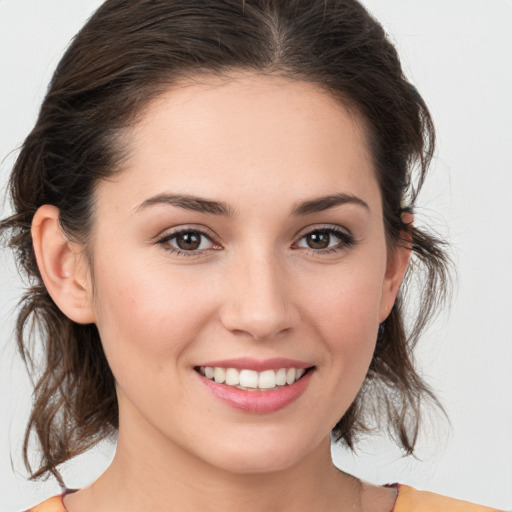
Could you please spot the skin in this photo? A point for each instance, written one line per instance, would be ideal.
(255, 288)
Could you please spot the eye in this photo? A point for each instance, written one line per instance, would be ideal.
(188, 242)
(326, 240)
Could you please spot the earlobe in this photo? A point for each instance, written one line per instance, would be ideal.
(62, 266)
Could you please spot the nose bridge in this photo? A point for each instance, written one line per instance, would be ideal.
(259, 303)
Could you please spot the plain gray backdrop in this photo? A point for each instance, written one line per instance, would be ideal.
(459, 54)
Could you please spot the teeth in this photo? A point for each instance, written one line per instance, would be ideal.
(251, 379)
(267, 379)
(232, 377)
(219, 375)
(281, 377)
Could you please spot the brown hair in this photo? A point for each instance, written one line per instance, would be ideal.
(128, 53)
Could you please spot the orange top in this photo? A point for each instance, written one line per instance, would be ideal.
(54, 504)
(411, 500)
(408, 500)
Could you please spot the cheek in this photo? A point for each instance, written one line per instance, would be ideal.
(345, 304)
(344, 310)
(146, 316)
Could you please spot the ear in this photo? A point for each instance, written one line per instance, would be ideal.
(396, 267)
(62, 266)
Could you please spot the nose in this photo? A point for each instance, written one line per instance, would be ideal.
(259, 302)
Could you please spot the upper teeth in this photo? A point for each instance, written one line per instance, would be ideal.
(251, 379)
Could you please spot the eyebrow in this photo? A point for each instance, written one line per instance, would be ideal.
(202, 205)
(323, 203)
(188, 202)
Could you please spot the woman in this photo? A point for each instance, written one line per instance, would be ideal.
(215, 207)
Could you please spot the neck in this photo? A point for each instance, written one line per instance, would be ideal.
(191, 485)
(160, 476)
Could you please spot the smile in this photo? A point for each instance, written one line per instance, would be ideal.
(252, 380)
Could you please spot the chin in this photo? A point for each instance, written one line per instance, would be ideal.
(265, 455)
(261, 464)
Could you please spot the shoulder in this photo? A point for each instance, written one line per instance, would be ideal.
(54, 504)
(412, 500)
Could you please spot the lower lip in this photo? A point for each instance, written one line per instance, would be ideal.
(257, 401)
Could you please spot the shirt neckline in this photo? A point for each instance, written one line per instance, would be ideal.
(396, 486)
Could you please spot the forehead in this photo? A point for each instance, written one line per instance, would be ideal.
(222, 136)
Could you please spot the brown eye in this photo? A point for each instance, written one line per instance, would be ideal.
(188, 241)
(318, 240)
(326, 240)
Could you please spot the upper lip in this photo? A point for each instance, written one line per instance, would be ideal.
(259, 365)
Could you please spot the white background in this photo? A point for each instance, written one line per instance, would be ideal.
(459, 54)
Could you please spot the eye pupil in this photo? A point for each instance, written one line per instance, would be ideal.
(318, 240)
(188, 241)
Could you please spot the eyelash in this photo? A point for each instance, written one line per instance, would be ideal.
(165, 242)
(346, 240)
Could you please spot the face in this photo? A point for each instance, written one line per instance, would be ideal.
(241, 271)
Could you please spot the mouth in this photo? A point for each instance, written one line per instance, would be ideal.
(251, 380)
